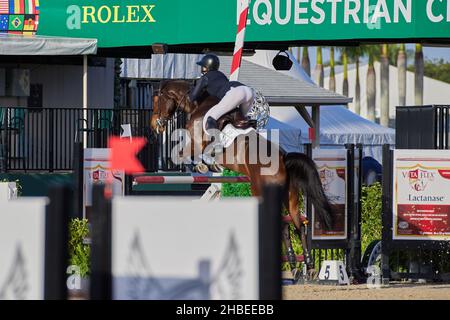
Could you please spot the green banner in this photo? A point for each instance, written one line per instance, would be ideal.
(117, 23)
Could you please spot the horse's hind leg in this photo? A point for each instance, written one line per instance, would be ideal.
(300, 225)
(292, 257)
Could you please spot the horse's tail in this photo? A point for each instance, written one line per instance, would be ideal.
(302, 171)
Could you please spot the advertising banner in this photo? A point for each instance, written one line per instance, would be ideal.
(22, 248)
(96, 170)
(185, 249)
(421, 207)
(119, 23)
(332, 167)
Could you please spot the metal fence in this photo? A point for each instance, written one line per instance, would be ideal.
(42, 139)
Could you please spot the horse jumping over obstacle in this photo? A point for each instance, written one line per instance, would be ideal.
(295, 171)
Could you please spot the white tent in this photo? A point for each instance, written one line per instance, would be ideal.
(435, 91)
(338, 125)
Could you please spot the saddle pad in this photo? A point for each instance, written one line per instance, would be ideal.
(229, 133)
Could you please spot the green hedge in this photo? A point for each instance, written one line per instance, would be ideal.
(79, 252)
(235, 189)
(371, 206)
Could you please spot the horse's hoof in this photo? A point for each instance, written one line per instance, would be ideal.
(215, 168)
(201, 168)
(296, 274)
(311, 274)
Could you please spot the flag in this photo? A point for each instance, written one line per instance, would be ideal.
(16, 22)
(4, 6)
(123, 154)
(29, 24)
(29, 7)
(4, 22)
(36, 6)
(19, 7)
(126, 131)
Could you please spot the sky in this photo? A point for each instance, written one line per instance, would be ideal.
(430, 53)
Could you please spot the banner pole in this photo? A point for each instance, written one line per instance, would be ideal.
(240, 38)
(85, 100)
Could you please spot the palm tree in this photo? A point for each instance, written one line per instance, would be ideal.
(332, 81)
(306, 64)
(354, 54)
(344, 58)
(319, 67)
(419, 74)
(401, 68)
(384, 77)
(371, 84)
(357, 89)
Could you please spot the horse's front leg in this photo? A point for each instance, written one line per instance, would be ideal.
(196, 146)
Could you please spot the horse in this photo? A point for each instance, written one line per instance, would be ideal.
(296, 171)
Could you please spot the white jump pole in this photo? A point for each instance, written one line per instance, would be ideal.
(85, 100)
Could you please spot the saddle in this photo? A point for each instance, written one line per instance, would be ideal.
(237, 119)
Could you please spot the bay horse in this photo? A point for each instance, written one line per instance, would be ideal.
(295, 170)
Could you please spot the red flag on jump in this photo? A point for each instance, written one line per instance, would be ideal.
(123, 154)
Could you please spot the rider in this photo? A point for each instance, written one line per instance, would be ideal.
(231, 94)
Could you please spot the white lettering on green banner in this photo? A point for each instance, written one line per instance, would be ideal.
(143, 22)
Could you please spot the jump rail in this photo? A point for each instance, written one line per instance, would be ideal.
(193, 179)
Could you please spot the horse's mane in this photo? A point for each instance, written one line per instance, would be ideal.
(182, 84)
(205, 102)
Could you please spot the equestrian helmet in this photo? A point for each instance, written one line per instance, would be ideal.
(210, 61)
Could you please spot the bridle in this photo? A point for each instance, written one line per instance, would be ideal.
(161, 121)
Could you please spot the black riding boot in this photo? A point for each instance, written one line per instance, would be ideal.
(211, 123)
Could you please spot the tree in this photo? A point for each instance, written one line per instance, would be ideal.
(354, 53)
(438, 69)
(393, 51)
(371, 84)
(401, 68)
(384, 77)
(306, 64)
(344, 57)
(418, 75)
(332, 80)
(319, 68)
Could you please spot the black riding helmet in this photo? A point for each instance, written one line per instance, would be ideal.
(210, 62)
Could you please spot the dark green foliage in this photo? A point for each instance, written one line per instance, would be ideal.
(436, 69)
(371, 206)
(79, 252)
(235, 189)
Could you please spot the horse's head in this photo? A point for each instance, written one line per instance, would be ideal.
(171, 98)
